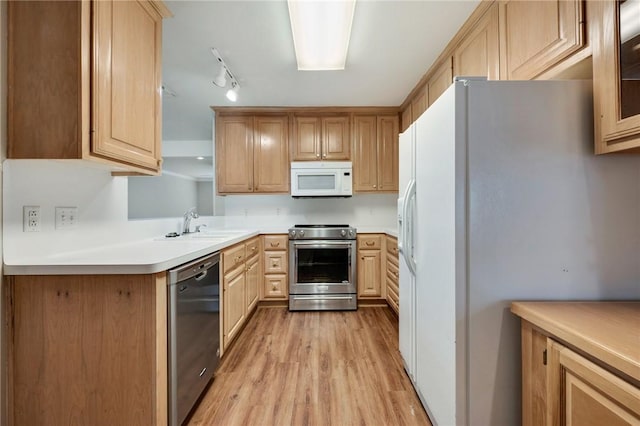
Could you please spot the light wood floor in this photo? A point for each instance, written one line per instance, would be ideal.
(313, 368)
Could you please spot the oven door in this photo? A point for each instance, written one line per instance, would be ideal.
(322, 267)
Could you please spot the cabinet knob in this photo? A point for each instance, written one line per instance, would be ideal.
(396, 274)
(324, 155)
(317, 155)
(374, 186)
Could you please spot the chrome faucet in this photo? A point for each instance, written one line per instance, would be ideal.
(190, 214)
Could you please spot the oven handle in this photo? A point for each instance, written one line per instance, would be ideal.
(320, 297)
(323, 244)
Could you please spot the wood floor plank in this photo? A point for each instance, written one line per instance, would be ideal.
(313, 368)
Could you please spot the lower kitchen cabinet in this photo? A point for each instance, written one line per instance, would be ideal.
(87, 349)
(370, 265)
(240, 286)
(593, 382)
(393, 274)
(275, 267)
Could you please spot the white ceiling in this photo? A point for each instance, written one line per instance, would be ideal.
(392, 44)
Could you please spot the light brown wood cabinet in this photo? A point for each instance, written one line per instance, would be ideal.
(275, 267)
(441, 80)
(393, 274)
(616, 78)
(321, 138)
(370, 265)
(420, 102)
(582, 385)
(87, 83)
(478, 54)
(539, 34)
(240, 286)
(375, 165)
(87, 349)
(252, 154)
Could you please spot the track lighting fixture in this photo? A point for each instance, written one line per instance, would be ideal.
(220, 79)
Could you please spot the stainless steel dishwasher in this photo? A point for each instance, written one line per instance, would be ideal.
(194, 332)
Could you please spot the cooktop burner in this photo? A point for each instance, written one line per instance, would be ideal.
(320, 226)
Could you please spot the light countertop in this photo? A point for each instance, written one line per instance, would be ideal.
(608, 331)
(146, 256)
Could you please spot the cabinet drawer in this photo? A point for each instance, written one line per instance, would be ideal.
(252, 247)
(275, 262)
(275, 286)
(393, 272)
(392, 247)
(392, 289)
(369, 241)
(392, 259)
(275, 242)
(233, 257)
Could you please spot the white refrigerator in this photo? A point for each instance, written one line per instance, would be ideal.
(501, 199)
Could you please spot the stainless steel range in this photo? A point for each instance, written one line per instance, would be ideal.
(322, 268)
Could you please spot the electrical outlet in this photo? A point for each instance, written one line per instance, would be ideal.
(66, 217)
(31, 218)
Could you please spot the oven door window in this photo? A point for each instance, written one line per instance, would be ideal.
(323, 265)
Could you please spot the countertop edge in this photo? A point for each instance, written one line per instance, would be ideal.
(606, 354)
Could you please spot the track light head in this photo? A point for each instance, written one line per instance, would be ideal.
(220, 80)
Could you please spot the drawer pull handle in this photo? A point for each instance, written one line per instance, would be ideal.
(275, 244)
(369, 243)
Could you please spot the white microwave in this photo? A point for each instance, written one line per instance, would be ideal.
(321, 179)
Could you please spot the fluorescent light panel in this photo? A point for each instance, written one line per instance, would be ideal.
(321, 31)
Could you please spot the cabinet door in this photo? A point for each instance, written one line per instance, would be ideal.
(420, 102)
(592, 396)
(616, 76)
(534, 376)
(253, 282)
(407, 119)
(387, 136)
(126, 116)
(539, 34)
(306, 146)
(270, 151)
(234, 303)
(369, 279)
(440, 81)
(478, 53)
(365, 154)
(335, 138)
(234, 154)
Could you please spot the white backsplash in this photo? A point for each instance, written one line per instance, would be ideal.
(102, 200)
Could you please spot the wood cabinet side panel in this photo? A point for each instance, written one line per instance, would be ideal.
(85, 348)
(45, 70)
(534, 376)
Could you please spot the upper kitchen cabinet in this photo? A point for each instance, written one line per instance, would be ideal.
(478, 54)
(539, 34)
(616, 75)
(440, 80)
(321, 138)
(419, 102)
(375, 163)
(252, 154)
(84, 82)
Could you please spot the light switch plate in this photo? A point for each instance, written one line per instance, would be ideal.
(66, 217)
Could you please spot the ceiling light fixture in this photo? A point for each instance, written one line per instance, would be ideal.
(220, 79)
(321, 32)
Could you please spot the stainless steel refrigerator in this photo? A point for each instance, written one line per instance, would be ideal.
(501, 199)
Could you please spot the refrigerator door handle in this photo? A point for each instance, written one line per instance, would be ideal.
(407, 228)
